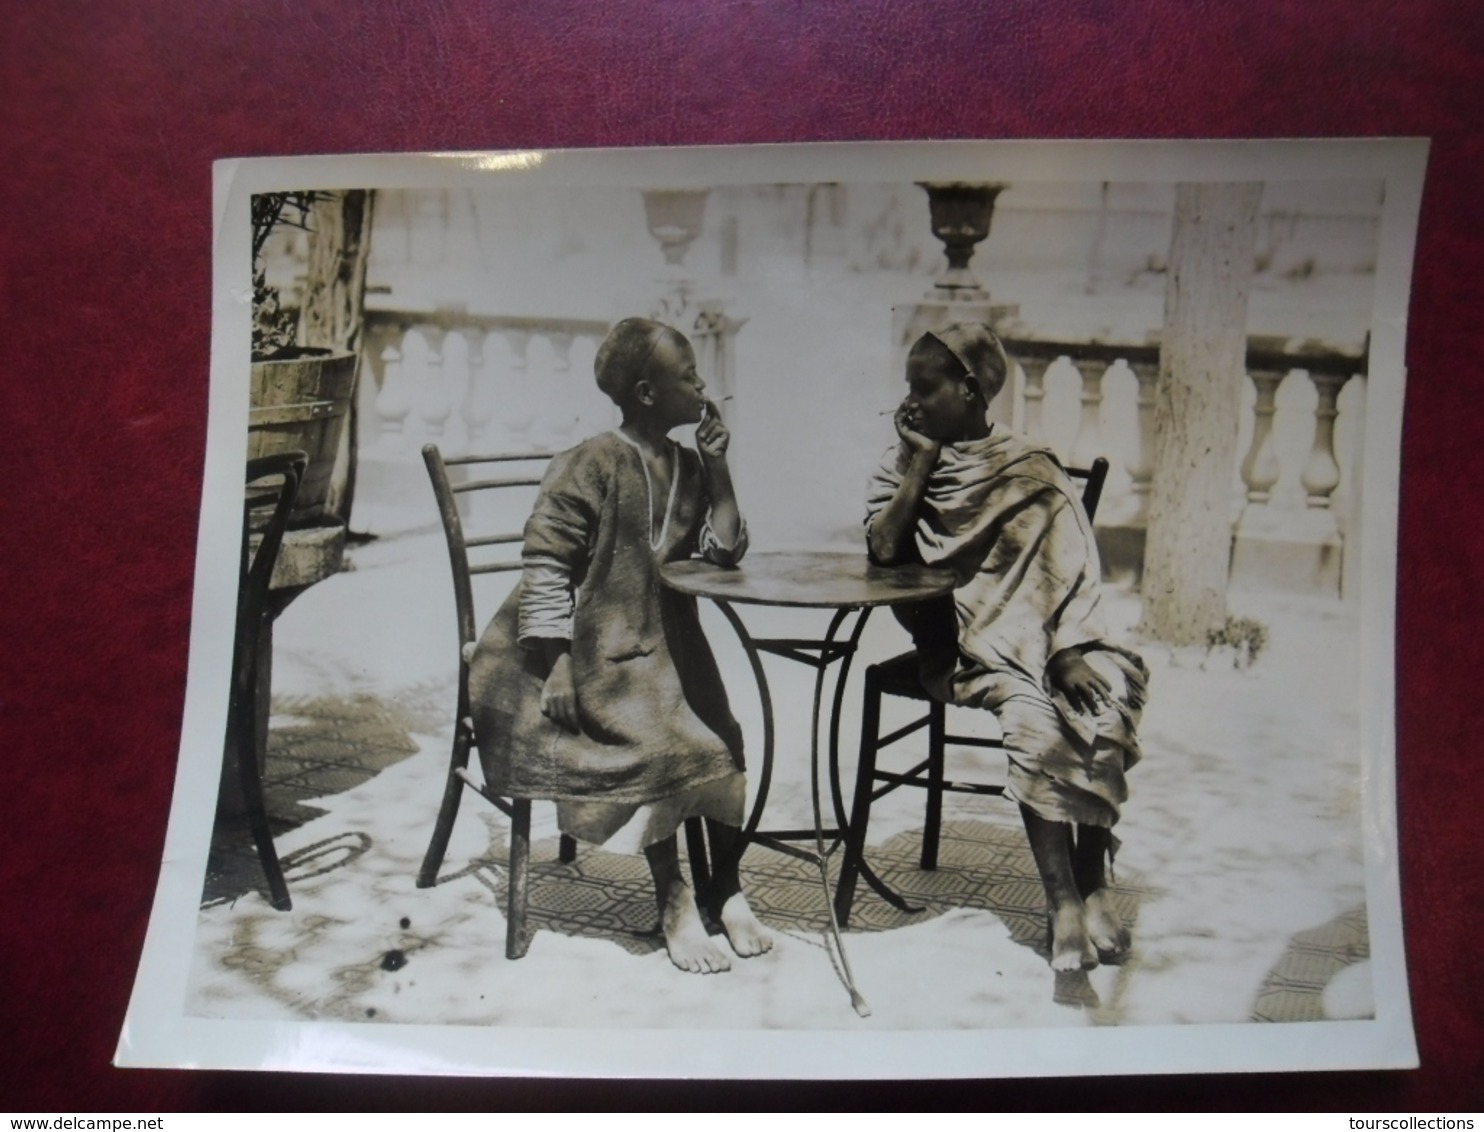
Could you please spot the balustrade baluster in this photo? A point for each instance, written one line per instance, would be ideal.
(596, 412)
(1089, 443)
(1350, 428)
(1035, 395)
(520, 404)
(394, 401)
(434, 406)
(1011, 397)
(561, 395)
(1322, 471)
(1261, 469)
(1141, 466)
(479, 400)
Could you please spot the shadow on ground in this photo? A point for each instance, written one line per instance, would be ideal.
(981, 865)
(323, 746)
(316, 747)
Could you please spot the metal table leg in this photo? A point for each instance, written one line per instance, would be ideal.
(799, 650)
(864, 870)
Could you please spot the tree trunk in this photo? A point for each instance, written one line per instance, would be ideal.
(1187, 557)
(334, 308)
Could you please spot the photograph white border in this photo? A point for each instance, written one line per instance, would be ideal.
(158, 1032)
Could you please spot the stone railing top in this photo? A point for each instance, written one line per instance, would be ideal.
(452, 318)
(1265, 353)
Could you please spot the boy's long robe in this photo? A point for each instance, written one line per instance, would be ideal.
(654, 716)
(1003, 515)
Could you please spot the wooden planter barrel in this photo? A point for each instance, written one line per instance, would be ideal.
(302, 403)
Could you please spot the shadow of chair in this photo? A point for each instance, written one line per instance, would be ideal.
(518, 810)
(272, 484)
(899, 677)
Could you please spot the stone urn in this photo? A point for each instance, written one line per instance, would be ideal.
(674, 218)
(961, 212)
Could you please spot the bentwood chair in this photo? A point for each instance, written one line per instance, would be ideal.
(899, 677)
(272, 486)
(518, 810)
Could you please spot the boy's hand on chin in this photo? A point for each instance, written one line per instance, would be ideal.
(712, 437)
(914, 441)
(559, 695)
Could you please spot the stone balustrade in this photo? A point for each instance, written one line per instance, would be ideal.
(475, 381)
(1295, 488)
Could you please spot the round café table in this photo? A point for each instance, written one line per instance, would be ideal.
(850, 585)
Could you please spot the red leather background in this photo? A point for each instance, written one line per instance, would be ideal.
(110, 116)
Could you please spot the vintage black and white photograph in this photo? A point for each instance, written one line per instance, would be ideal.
(838, 611)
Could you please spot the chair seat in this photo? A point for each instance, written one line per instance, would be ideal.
(899, 677)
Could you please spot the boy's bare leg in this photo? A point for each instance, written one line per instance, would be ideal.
(1089, 861)
(686, 939)
(726, 901)
(1051, 845)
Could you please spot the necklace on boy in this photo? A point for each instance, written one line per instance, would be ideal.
(655, 541)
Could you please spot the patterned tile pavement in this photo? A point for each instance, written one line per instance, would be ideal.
(316, 747)
(1294, 989)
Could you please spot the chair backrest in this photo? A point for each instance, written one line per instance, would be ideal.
(446, 492)
(1092, 478)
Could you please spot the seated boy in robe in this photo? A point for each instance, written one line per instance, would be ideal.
(594, 685)
(1023, 635)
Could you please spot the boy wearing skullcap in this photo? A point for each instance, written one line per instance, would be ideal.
(1023, 635)
(594, 685)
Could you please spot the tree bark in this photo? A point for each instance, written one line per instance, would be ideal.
(1187, 557)
(334, 309)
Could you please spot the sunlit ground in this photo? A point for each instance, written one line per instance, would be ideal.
(1241, 867)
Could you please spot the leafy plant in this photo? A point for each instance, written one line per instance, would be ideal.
(273, 326)
(1245, 636)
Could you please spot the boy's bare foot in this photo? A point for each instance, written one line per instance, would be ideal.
(1105, 928)
(686, 940)
(1071, 948)
(744, 931)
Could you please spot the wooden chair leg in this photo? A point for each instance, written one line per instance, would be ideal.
(249, 740)
(860, 806)
(567, 849)
(516, 941)
(448, 810)
(933, 821)
(695, 851)
(250, 705)
(257, 822)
